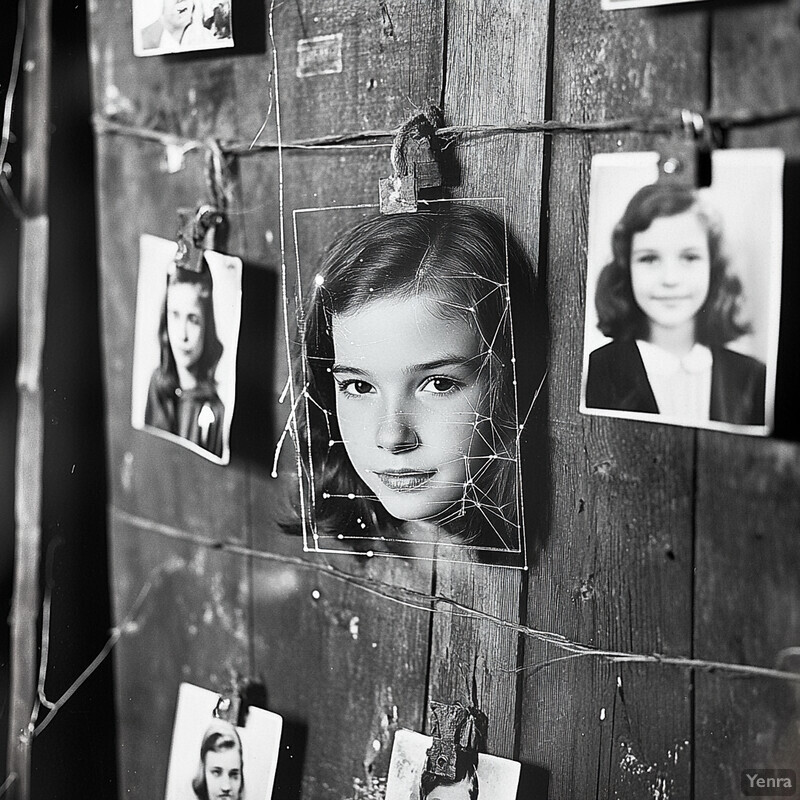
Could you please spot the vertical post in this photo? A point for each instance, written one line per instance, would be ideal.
(30, 421)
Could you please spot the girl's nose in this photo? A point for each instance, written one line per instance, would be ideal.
(670, 273)
(397, 436)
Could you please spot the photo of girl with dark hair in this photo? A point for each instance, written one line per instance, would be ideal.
(671, 306)
(182, 397)
(408, 365)
(478, 775)
(184, 363)
(465, 786)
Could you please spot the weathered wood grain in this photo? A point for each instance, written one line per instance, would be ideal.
(747, 585)
(496, 72)
(338, 662)
(619, 547)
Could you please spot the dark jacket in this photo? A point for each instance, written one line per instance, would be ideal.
(179, 414)
(617, 380)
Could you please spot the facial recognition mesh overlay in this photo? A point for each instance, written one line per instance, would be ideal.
(185, 343)
(494, 778)
(403, 402)
(180, 26)
(211, 759)
(683, 292)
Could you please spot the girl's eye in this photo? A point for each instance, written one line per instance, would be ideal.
(691, 256)
(440, 385)
(355, 388)
(647, 258)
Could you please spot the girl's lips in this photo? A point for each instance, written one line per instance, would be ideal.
(405, 480)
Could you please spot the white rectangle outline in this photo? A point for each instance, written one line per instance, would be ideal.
(522, 545)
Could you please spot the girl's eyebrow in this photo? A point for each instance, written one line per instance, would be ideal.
(350, 370)
(444, 361)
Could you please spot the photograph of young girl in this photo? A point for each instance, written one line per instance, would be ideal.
(477, 776)
(683, 292)
(184, 362)
(179, 26)
(213, 759)
(406, 372)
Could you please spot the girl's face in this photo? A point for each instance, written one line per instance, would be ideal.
(185, 324)
(670, 269)
(410, 398)
(223, 771)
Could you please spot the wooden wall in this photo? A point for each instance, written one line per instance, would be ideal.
(650, 538)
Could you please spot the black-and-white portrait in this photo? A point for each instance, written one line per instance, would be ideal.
(178, 26)
(480, 777)
(683, 292)
(212, 759)
(405, 383)
(184, 362)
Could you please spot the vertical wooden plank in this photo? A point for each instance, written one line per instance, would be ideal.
(496, 72)
(748, 514)
(33, 279)
(619, 551)
(338, 662)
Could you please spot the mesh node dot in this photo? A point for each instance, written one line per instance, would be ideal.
(351, 496)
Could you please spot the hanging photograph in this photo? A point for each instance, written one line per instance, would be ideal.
(212, 759)
(489, 777)
(612, 5)
(180, 26)
(404, 403)
(184, 360)
(683, 292)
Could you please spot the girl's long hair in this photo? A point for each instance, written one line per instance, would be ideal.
(459, 253)
(620, 317)
(166, 378)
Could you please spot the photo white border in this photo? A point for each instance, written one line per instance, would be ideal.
(498, 778)
(155, 256)
(146, 12)
(311, 539)
(729, 182)
(261, 737)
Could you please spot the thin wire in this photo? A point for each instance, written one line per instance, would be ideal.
(664, 124)
(8, 107)
(429, 604)
(7, 783)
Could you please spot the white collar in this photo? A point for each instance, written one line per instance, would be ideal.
(658, 361)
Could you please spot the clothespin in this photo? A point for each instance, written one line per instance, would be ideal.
(687, 161)
(416, 153)
(197, 231)
(458, 731)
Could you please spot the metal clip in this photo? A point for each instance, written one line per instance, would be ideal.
(688, 161)
(415, 162)
(457, 731)
(196, 232)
